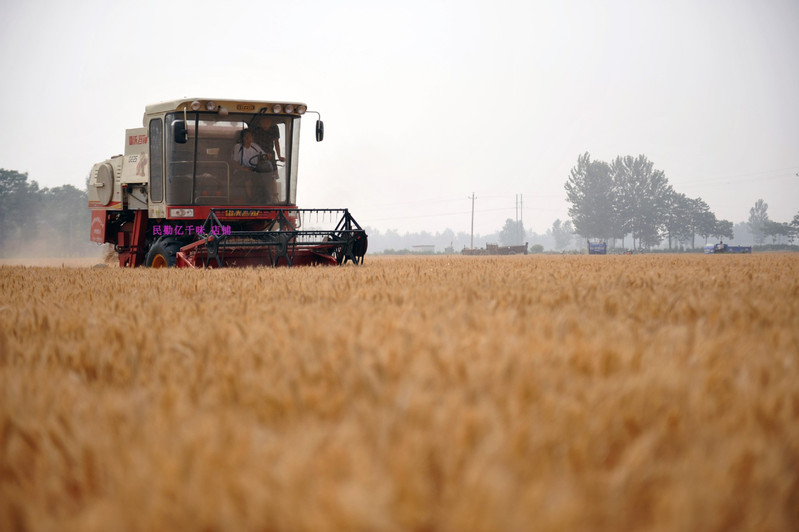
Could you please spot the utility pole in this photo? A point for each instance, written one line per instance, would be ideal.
(471, 245)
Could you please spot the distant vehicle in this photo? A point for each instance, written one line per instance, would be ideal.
(204, 183)
(495, 249)
(721, 247)
(597, 248)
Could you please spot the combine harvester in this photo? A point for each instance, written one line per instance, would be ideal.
(210, 183)
(721, 247)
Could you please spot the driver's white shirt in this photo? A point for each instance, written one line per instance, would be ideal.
(242, 155)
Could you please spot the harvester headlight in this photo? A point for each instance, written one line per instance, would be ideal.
(277, 108)
(289, 108)
(181, 213)
(195, 105)
(211, 106)
(223, 110)
(301, 109)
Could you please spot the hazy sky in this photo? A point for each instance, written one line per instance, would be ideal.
(426, 102)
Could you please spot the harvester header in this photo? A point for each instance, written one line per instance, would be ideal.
(213, 182)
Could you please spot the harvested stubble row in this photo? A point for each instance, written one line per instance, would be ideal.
(440, 393)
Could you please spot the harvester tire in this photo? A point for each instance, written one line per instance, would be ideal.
(163, 254)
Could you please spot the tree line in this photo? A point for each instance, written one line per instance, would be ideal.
(42, 221)
(608, 201)
(763, 228)
(630, 197)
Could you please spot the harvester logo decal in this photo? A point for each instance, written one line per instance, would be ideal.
(141, 166)
(242, 213)
(98, 226)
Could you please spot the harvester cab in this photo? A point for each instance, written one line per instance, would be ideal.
(209, 183)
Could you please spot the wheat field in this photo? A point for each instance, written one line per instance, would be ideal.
(417, 393)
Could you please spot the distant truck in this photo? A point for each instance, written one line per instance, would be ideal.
(597, 248)
(721, 247)
(496, 249)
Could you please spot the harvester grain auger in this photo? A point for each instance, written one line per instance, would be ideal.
(209, 183)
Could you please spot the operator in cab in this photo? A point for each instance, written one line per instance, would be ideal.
(246, 156)
(246, 152)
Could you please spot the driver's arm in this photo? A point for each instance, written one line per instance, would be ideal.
(277, 149)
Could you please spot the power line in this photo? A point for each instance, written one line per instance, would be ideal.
(471, 243)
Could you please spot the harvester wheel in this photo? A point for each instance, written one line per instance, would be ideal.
(163, 254)
(354, 248)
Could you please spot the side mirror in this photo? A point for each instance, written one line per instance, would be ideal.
(320, 131)
(179, 131)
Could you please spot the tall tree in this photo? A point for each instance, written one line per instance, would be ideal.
(723, 229)
(758, 218)
(776, 231)
(589, 189)
(65, 218)
(19, 209)
(512, 233)
(679, 226)
(563, 233)
(794, 228)
(743, 235)
(643, 198)
(703, 220)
